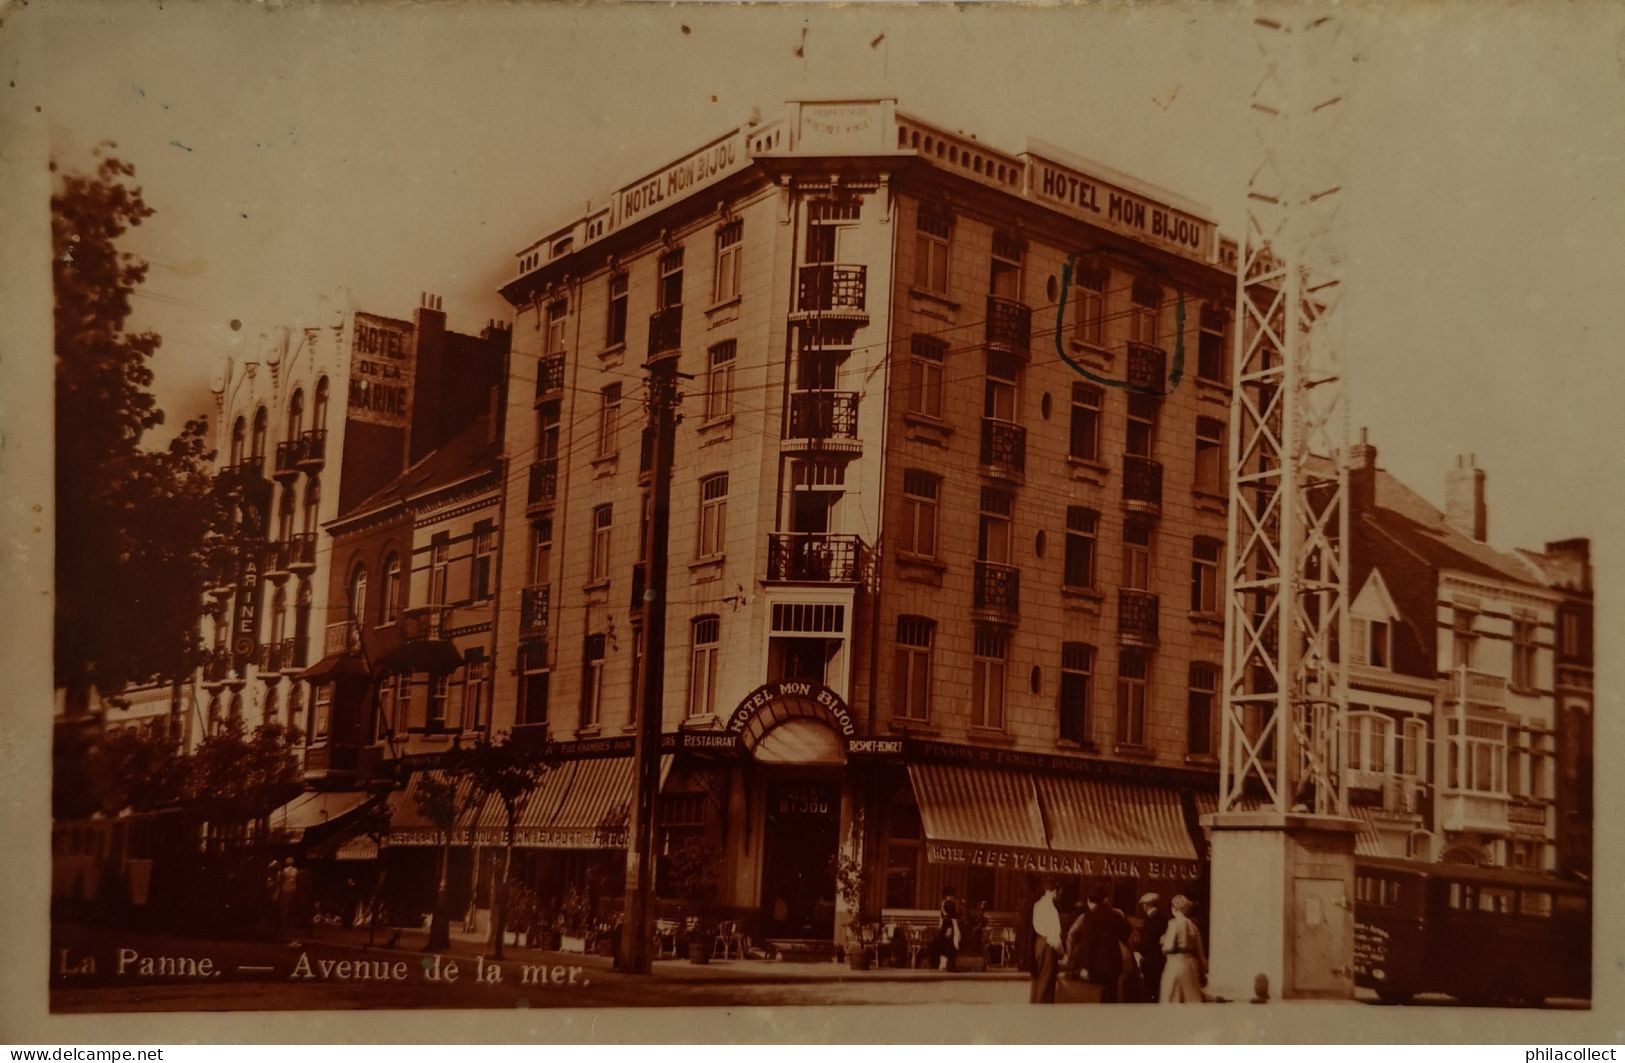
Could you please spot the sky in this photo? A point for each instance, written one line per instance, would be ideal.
(292, 149)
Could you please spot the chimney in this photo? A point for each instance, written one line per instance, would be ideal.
(427, 428)
(1362, 476)
(1575, 558)
(1464, 507)
(493, 415)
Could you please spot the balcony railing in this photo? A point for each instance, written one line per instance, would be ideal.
(313, 449)
(998, 588)
(544, 483)
(287, 459)
(1142, 484)
(274, 657)
(1147, 368)
(1480, 688)
(1009, 325)
(832, 289)
(276, 559)
(342, 637)
(217, 667)
(665, 331)
(640, 583)
(302, 552)
(1137, 615)
(534, 609)
(813, 557)
(424, 622)
(294, 656)
(824, 417)
(550, 375)
(1004, 447)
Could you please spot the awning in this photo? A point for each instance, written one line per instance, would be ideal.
(408, 826)
(313, 808)
(435, 656)
(1368, 840)
(539, 809)
(337, 666)
(358, 848)
(1071, 826)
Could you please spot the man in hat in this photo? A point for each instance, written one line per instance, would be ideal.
(1152, 960)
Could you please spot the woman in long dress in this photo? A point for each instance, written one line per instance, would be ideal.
(1182, 944)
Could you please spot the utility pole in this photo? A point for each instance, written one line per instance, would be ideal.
(638, 931)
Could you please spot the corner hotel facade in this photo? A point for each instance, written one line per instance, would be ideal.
(938, 600)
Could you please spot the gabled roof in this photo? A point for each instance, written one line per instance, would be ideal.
(1416, 525)
(469, 453)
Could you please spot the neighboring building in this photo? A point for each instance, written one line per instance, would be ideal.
(937, 600)
(322, 417)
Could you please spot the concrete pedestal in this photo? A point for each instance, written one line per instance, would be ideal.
(1283, 906)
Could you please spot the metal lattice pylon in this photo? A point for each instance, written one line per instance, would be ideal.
(1285, 694)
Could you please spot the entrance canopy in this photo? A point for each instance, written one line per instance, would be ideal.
(313, 808)
(1053, 824)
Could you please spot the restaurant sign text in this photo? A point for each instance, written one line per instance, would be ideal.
(1041, 862)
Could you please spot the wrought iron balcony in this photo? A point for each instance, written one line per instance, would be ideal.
(287, 459)
(342, 637)
(276, 560)
(424, 622)
(1137, 615)
(823, 420)
(832, 289)
(549, 376)
(1009, 325)
(998, 588)
(294, 657)
(302, 552)
(1147, 368)
(813, 557)
(1004, 448)
(544, 484)
(1142, 484)
(640, 583)
(217, 666)
(665, 331)
(272, 657)
(313, 449)
(534, 610)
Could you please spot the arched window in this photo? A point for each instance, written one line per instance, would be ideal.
(358, 591)
(284, 516)
(262, 423)
(239, 433)
(318, 413)
(313, 499)
(237, 707)
(391, 598)
(279, 612)
(268, 710)
(296, 414)
(296, 706)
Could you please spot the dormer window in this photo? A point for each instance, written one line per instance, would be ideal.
(1373, 643)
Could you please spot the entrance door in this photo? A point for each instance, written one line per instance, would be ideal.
(1318, 963)
(798, 876)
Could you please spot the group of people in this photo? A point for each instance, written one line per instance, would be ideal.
(1099, 948)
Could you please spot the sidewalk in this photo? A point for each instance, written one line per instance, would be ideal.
(411, 942)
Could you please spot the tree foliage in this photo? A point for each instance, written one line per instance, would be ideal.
(132, 524)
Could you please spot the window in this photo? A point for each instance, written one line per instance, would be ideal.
(729, 237)
(390, 606)
(719, 381)
(313, 501)
(1143, 313)
(1210, 455)
(923, 376)
(319, 712)
(1077, 665)
(1078, 571)
(1410, 752)
(920, 494)
(1199, 704)
(558, 312)
(1090, 295)
(484, 558)
(931, 252)
(1205, 554)
(991, 650)
(1142, 426)
(318, 412)
(284, 515)
(1477, 759)
(609, 417)
(533, 683)
(1210, 346)
(1004, 281)
(993, 539)
(713, 516)
(1000, 398)
(256, 446)
(1085, 436)
(1137, 555)
(1131, 696)
(615, 327)
(829, 224)
(439, 693)
(670, 292)
(1372, 642)
(913, 668)
(1462, 637)
(358, 593)
(239, 436)
(547, 431)
(476, 685)
(702, 676)
(541, 552)
(602, 517)
(439, 569)
(1523, 652)
(592, 682)
(296, 415)
(279, 615)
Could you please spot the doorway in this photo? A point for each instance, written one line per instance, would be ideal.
(798, 874)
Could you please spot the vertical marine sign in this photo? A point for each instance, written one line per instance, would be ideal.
(381, 362)
(245, 630)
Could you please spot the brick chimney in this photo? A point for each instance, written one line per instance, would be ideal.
(1362, 476)
(1464, 507)
(427, 429)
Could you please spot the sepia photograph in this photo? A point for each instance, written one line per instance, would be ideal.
(920, 510)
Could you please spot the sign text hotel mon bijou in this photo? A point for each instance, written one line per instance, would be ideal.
(1109, 206)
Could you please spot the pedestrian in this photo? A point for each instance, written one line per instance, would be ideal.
(1151, 958)
(1046, 924)
(1105, 931)
(946, 945)
(287, 889)
(273, 924)
(1186, 966)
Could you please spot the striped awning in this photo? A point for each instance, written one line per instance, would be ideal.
(967, 810)
(408, 826)
(1367, 840)
(1106, 819)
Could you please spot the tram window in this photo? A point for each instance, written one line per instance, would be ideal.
(1491, 899)
(1536, 903)
(1463, 897)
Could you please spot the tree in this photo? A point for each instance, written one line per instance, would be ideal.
(435, 795)
(237, 776)
(508, 769)
(132, 524)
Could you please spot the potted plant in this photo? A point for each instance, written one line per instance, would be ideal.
(694, 871)
(524, 912)
(851, 885)
(574, 915)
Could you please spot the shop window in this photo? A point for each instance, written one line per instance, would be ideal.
(914, 637)
(1084, 441)
(1078, 571)
(719, 381)
(1077, 670)
(730, 238)
(921, 491)
(923, 376)
(615, 326)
